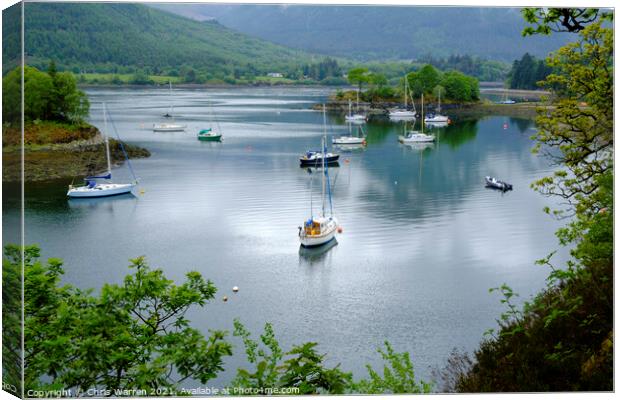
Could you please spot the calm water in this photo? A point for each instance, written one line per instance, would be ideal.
(423, 239)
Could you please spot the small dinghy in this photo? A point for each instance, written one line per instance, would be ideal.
(497, 184)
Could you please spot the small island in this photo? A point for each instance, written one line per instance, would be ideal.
(58, 142)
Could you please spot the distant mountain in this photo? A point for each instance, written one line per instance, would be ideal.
(379, 32)
(107, 36)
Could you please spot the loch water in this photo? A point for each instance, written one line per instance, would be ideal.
(423, 240)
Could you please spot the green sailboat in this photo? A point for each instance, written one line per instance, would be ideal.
(209, 136)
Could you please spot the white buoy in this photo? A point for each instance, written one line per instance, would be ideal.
(225, 298)
(235, 289)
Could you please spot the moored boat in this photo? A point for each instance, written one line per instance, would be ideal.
(403, 113)
(93, 188)
(167, 127)
(497, 184)
(416, 136)
(209, 136)
(314, 158)
(437, 117)
(317, 231)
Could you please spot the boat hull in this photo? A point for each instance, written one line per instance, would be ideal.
(421, 138)
(206, 138)
(348, 140)
(168, 128)
(497, 184)
(355, 118)
(103, 190)
(319, 240)
(317, 162)
(402, 115)
(437, 118)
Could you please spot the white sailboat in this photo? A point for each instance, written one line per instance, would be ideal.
(95, 189)
(169, 126)
(350, 139)
(357, 117)
(317, 231)
(170, 113)
(437, 118)
(417, 136)
(403, 113)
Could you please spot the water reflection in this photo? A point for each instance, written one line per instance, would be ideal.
(311, 256)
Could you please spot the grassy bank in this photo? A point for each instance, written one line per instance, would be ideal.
(57, 150)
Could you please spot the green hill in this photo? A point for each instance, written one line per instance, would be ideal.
(122, 37)
(382, 32)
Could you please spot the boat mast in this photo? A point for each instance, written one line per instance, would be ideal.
(439, 104)
(349, 107)
(107, 144)
(323, 160)
(405, 92)
(422, 122)
(170, 94)
(357, 104)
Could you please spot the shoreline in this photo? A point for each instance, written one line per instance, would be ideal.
(74, 159)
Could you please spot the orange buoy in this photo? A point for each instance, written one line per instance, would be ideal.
(505, 125)
(347, 160)
(340, 229)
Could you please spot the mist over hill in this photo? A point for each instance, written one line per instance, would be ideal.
(382, 32)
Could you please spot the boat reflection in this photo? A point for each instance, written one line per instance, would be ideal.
(315, 255)
(436, 124)
(86, 203)
(419, 146)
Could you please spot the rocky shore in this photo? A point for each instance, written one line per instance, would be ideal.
(53, 151)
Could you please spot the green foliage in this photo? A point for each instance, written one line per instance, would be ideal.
(527, 72)
(11, 322)
(359, 76)
(423, 81)
(563, 339)
(460, 87)
(577, 134)
(484, 70)
(47, 96)
(398, 376)
(131, 336)
(303, 369)
(547, 20)
(453, 84)
(127, 38)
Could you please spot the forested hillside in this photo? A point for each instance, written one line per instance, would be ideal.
(371, 32)
(122, 37)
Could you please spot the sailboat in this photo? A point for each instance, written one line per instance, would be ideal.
(403, 113)
(357, 117)
(169, 126)
(93, 187)
(320, 230)
(169, 113)
(437, 117)
(416, 136)
(208, 134)
(506, 100)
(350, 139)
